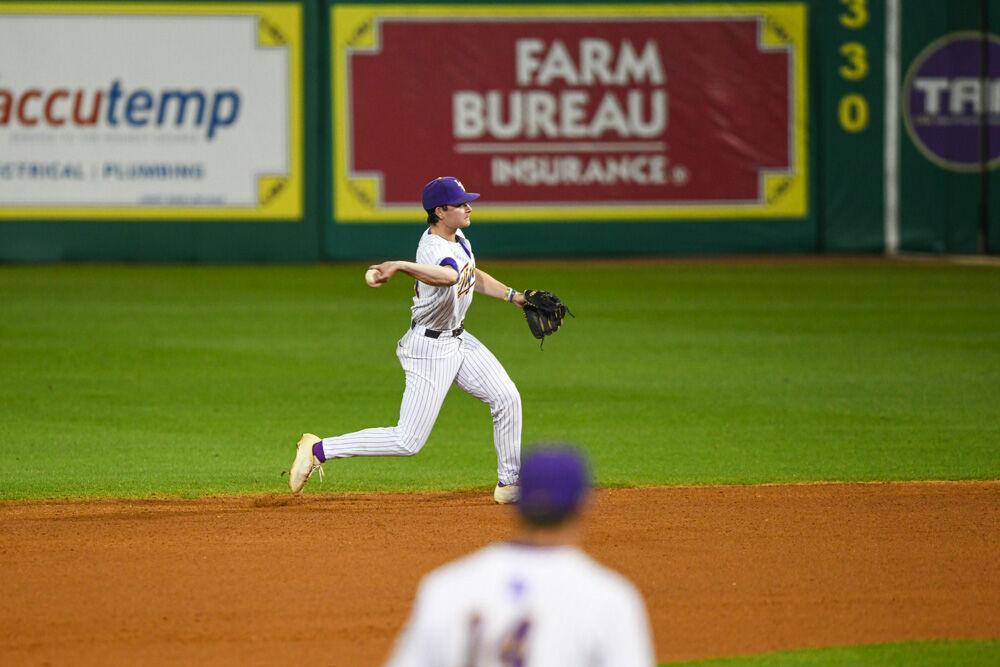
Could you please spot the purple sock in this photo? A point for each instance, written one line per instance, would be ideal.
(318, 451)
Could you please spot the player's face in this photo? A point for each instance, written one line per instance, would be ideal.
(456, 216)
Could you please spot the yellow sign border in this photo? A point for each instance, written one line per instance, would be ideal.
(785, 194)
(280, 196)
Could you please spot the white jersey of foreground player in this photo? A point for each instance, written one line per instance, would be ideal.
(528, 605)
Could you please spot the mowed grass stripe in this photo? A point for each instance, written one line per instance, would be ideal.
(178, 380)
(941, 653)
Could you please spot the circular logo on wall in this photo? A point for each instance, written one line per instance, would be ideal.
(946, 98)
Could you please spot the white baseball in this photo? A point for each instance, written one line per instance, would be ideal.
(371, 277)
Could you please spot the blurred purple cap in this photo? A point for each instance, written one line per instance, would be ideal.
(554, 481)
(446, 191)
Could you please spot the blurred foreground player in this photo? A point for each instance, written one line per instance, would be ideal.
(537, 601)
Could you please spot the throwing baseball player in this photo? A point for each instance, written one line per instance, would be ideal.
(536, 601)
(437, 351)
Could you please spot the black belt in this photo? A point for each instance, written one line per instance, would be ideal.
(430, 333)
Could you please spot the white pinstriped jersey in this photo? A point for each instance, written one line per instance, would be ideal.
(511, 604)
(444, 308)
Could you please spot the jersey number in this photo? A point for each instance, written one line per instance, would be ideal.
(510, 648)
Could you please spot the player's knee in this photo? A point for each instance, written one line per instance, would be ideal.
(508, 399)
(411, 443)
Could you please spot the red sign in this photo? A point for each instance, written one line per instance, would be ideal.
(536, 112)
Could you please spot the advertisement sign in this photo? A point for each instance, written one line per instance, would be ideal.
(150, 111)
(559, 113)
(947, 99)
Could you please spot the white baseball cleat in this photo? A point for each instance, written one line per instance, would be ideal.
(507, 493)
(305, 463)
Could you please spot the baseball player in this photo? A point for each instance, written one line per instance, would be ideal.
(538, 601)
(437, 351)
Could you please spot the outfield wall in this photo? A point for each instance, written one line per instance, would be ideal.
(298, 131)
(945, 193)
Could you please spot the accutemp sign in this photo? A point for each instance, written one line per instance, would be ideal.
(569, 113)
(155, 111)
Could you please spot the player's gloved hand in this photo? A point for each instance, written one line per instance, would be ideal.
(544, 312)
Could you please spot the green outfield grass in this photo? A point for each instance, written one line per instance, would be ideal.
(925, 654)
(185, 381)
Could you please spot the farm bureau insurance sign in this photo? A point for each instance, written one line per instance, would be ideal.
(161, 111)
(572, 113)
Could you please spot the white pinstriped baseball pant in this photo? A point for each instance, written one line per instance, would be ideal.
(431, 366)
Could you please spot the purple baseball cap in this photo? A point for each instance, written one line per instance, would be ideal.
(555, 479)
(446, 191)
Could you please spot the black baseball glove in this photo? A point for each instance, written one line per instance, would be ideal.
(544, 312)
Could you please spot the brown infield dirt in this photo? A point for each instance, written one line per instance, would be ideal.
(328, 579)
